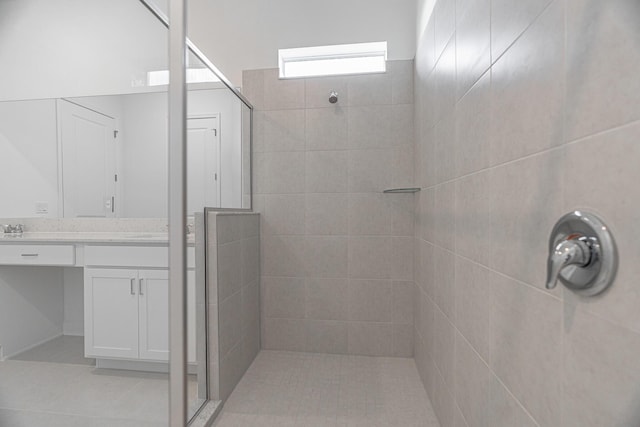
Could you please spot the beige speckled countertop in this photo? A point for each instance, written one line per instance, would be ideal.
(90, 237)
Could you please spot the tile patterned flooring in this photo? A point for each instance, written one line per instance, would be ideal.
(53, 385)
(283, 389)
(280, 389)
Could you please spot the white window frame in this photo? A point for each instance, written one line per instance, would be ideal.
(359, 58)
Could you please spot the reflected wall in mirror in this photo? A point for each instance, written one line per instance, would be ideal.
(106, 156)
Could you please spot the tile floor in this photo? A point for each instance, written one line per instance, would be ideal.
(54, 386)
(283, 389)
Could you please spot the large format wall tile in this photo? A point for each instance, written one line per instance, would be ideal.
(602, 372)
(543, 124)
(614, 197)
(338, 265)
(509, 19)
(528, 90)
(603, 88)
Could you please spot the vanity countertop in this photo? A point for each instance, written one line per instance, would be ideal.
(90, 237)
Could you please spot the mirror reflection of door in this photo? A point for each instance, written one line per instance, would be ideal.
(87, 145)
(203, 160)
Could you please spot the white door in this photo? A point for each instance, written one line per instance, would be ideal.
(110, 313)
(153, 288)
(203, 164)
(88, 161)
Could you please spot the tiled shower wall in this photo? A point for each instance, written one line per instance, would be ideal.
(337, 272)
(233, 254)
(526, 110)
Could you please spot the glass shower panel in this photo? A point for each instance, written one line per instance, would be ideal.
(83, 134)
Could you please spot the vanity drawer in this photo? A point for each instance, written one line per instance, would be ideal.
(131, 256)
(37, 254)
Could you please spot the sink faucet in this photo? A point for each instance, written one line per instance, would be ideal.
(13, 229)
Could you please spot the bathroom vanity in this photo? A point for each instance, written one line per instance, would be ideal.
(125, 287)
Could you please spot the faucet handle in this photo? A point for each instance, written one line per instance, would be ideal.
(572, 251)
(582, 254)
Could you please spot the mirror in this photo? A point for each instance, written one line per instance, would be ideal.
(106, 156)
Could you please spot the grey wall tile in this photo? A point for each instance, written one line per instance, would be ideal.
(527, 86)
(284, 334)
(369, 257)
(284, 256)
(444, 13)
(282, 94)
(326, 214)
(284, 214)
(284, 297)
(326, 128)
(402, 340)
(229, 269)
(473, 128)
(370, 127)
(526, 327)
(614, 198)
(253, 87)
(509, 20)
(326, 171)
(283, 130)
(403, 297)
(473, 384)
(325, 336)
(444, 337)
(371, 339)
(319, 89)
(473, 215)
(370, 89)
(444, 276)
(369, 214)
(322, 211)
(401, 81)
(326, 256)
(327, 299)
(473, 42)
(369, 171)
(602, 58)
(370, 300)
(526, 202)
(602, 372)
(279, 172)
(473, 304)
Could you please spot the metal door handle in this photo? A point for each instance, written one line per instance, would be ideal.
(133, 291)
(140, 286)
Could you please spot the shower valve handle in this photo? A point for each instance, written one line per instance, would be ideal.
(582, 254)
(572, 251)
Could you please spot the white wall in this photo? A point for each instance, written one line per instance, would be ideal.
(28, 151)
(31, 307)
(63, 48)
(246, 35)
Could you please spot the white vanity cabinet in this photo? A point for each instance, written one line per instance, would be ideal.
(127, 309)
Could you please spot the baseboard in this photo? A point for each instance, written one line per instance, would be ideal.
(46, 340)
(137, 365)
(74, 329)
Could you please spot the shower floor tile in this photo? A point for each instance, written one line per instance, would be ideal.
(319, 390)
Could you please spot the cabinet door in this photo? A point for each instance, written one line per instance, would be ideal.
(154, 314)
(110, 313)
